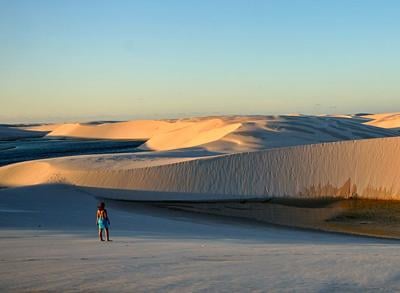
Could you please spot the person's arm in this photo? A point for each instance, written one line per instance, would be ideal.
(97, 217)
(108, 219)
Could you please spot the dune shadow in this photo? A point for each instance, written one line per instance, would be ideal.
(71, 209)
(374, 218)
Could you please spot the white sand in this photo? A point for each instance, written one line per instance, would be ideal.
(208, 165)
(179, 255)
(48, 232)
(363, 168)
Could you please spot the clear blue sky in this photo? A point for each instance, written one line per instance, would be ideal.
(85, 60)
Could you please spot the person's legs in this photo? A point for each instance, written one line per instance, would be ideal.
(107, 235)
(101, 234)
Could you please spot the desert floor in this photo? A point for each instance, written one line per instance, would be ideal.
(42, 248)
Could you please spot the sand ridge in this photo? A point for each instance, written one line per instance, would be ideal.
(227, 134)
(194, 134)
(385, 120)
(229, 157)
(361, 168)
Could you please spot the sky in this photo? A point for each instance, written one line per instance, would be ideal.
(97, 60)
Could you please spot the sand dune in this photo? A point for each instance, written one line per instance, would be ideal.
(37, 172)
(362, 168)
(228, 134)
(266, 132)
(194, 134)
(385, 120)
(162, 135)
(119, 130)
(234, 157)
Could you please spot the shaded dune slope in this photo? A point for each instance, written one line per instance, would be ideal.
(266, 132)
(11, 133)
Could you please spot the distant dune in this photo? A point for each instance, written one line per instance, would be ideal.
(386, 120)
(119, 130)
(227, 134)
(234, 157)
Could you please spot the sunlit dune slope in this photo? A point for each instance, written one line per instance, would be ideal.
(385, 120)
(227, 134)
(194, 134)
(139, 129)
(361, 168)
